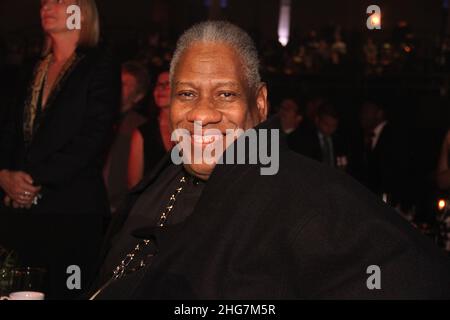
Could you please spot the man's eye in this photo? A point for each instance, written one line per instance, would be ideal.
(227, 95)
(186, 95)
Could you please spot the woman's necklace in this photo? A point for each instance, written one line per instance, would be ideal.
(62, 68)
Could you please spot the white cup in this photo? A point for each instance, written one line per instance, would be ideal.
(25, 295)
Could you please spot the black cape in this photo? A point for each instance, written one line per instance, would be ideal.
(308, 232)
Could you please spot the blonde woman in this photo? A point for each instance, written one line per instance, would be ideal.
(51, 151)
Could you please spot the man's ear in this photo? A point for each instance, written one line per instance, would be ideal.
(262, 104)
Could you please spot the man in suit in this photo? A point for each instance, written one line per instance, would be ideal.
(382, 157)
(320, 142)
(290, 115)
(213, 230)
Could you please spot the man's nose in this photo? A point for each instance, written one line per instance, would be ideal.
(204, 111)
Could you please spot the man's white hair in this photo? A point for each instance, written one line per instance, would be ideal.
(226, 33)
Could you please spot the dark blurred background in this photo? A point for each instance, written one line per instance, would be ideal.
(409, 46)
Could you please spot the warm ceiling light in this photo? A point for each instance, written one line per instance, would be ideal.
(442, 204)
(376, 20)
(284, 22)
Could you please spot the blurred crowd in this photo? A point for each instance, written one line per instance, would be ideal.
(333, 50)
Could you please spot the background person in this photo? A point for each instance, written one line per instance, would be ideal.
(53, 148)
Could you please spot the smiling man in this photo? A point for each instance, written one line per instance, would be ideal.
(224, 96)
(212, 230)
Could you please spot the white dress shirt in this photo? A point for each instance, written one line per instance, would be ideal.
(377, 133)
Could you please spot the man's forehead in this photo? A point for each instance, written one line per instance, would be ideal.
(210, 59)
(212, 82)
(204, 49)
(212, 64)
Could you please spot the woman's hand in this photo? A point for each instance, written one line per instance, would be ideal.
(11, 203)
(18, 187)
